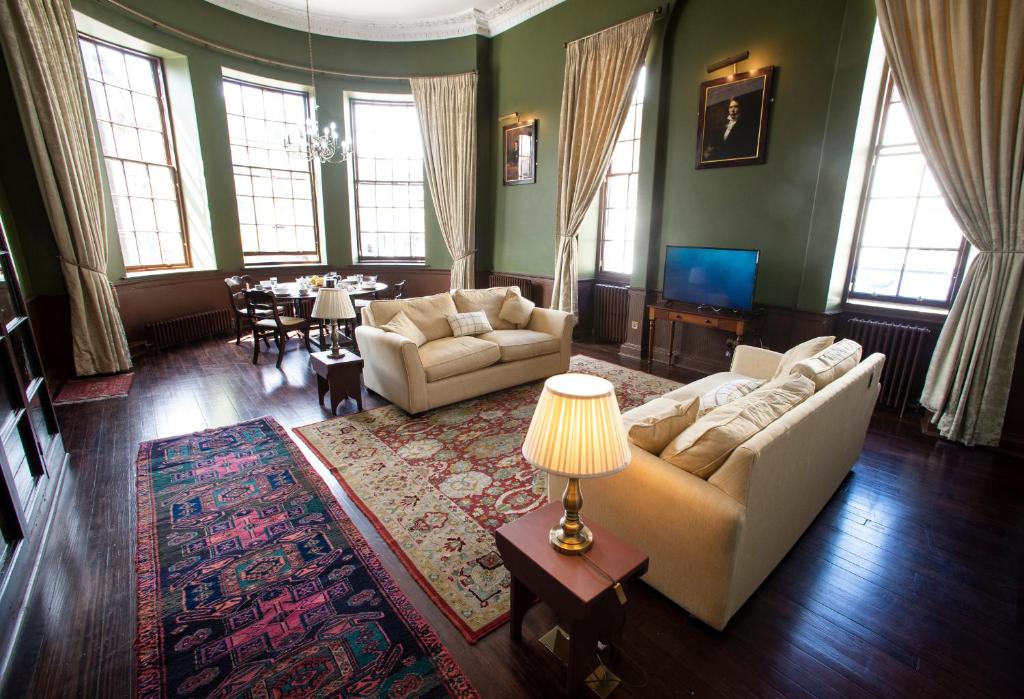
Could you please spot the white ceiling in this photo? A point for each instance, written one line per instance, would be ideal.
(393, 20)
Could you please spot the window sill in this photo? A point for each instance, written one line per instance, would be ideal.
(145, 274)
(270, 265)
(930, 312)
(384, 263)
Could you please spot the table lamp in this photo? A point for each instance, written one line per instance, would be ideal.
(333, 305)
(576, 432)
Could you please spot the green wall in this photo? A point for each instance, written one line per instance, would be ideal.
(788, 207)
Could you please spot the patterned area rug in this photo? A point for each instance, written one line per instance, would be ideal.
(252, 581)
(95, 388)
(436, 486)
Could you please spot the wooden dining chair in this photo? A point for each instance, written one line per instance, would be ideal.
(265, 319)
(236, 286)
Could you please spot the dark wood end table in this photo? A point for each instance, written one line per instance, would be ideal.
(581, 597)
(343, 377)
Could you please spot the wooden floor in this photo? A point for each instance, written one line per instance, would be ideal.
(908, 584)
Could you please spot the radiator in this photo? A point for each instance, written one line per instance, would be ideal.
(901, 344)
(611, 312)
(525, 284)
(176, 331)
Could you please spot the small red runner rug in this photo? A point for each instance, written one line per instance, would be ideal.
(436, 486)
(95, 388)
(253, 582)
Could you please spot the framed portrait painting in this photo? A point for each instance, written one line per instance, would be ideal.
(520, 150)
(733, 119)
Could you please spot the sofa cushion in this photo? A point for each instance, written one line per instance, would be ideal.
(522, 344)
(469, 323)
(516, 309)
(654, 424)
(401, 325)
(427, 312)
(699, 387)
(707, 443)
(726, 393)
(451, 356)
(487, 300)
(800, 352)
(829, 364)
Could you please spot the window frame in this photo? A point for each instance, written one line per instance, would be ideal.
(170, 147)
(356, 181)
(273, 258)
(850, 297)
(600, 272)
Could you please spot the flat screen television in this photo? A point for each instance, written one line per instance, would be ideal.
(722, 278)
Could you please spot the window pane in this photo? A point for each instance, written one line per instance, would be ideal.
(887, 222)
(878, 272)
(389, 179)
(928, 274)
(128, 101)
(934, 226)
(897, 176)
(897, 126)
(273, 189)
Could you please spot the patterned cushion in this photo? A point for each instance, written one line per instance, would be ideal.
(487, 300)
(451, 356)
(472, 323)
(727, 393)
(829, 364)
(515, 309)
(401, 325)
(653, 425)
(803, 351)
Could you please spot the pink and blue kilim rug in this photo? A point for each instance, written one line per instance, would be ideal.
(252, 581)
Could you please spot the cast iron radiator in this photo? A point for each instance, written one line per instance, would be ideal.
(611, 312)
(176, 331)
(901, 344)
(525, 285)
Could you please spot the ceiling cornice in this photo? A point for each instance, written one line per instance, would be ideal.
(501, 17)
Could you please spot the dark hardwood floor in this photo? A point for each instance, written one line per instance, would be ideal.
(908, 584)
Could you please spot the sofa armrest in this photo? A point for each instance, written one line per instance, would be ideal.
(558, 324)
(755, 362)
(392, 367)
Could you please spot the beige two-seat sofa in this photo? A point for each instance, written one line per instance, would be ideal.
(447, 369)
(713, 541)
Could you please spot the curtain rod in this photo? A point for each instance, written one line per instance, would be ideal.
(659, 12)
(238, 53)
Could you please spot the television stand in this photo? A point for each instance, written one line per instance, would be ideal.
(735, 322)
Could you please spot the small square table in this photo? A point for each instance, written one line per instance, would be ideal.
(343, 377)
(580, 596)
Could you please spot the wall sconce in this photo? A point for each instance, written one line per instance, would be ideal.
(507, 117)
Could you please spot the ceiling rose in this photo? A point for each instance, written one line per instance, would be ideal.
(393, 20)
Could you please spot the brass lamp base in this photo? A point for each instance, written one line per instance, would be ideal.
(571, 536)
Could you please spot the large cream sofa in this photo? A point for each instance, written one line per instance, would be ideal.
(712, 542)
(448, 369)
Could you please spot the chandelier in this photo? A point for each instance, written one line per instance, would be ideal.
(310, 141)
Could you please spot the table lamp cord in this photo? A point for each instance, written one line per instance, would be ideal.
(616, 585)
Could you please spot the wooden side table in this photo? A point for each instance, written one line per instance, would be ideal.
(343, 377)
(581, 597)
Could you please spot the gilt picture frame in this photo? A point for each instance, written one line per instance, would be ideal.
(520, 153)
(732, 121)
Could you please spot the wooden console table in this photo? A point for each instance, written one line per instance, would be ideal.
(737, 324)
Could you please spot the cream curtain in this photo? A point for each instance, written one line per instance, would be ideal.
(446, 106)
(960, 68)
(600, 72)
(41, 47)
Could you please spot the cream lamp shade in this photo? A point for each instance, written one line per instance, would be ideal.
(333, 304)
(577, 429)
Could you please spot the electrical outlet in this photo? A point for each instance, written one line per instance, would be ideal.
(635, 325)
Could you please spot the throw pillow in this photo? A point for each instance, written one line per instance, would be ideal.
(804, 350)
(516, 309)
(472, 323)
(652, 426)
(400, 324)
(727, 393)
(705, 445)
(829, 364)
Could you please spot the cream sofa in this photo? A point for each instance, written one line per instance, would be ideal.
(712, 542)
(448, 369)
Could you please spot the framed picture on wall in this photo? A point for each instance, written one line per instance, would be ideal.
(733, 119)
(520, 161)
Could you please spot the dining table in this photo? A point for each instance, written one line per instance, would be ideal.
(302, 303)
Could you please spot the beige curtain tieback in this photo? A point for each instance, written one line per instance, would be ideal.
(464, 256)
(81, 266)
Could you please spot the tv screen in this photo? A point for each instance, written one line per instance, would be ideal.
(717, 277)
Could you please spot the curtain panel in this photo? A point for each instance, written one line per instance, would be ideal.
(40, 44)
(446, 106)
(600, 74)
(960, 68)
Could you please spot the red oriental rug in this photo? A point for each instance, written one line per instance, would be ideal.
(95, 388)
(437, 486)
(253, 582)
